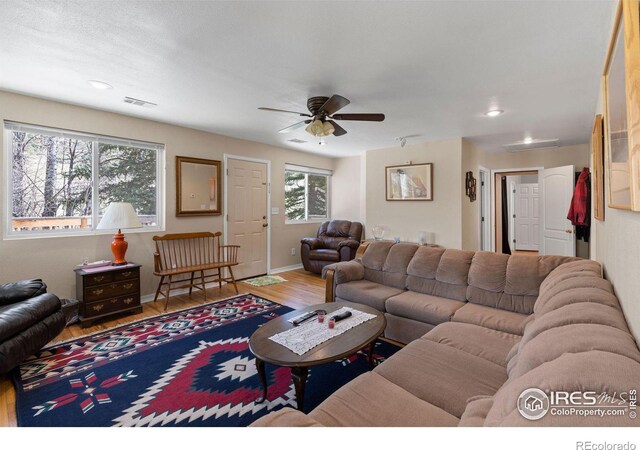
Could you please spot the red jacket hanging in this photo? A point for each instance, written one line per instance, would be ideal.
(578, 211)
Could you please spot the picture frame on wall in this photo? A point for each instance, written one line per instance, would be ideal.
(621, 105)
(198, 187)
(597, 158)
(409, 182)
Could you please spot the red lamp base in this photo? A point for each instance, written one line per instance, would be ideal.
(119, 249)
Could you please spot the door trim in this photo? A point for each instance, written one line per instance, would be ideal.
(492, 196)
(485, 194)
(226, 157)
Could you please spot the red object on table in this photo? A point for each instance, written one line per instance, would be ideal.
(119, 249)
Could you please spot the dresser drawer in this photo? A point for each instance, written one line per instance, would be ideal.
(130, 274)
(98, 278)
(114, 289)
(110, 305)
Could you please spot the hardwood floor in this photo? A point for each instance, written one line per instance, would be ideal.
(301, 289)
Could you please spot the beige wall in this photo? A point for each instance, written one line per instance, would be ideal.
(473, 157)
(442, 216)
(53, 259)
(617, 247)
(346, 189)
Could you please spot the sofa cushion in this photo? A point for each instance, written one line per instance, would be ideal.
(496, 319)
(394, 270)
(597, 371)
(372, 401)
(401, 329)
(17, 317)
(442, 375)
(450, 278)
(367, 293)
(581, 268)
(484, 342)
(423, 307)
(374, 258)
(476, 411)
(325, 254)
(576, 338)
(575, 290)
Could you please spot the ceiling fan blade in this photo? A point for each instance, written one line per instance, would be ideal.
(373, 117)
(339, 131)
(285, 111)
(334, 104)
(295, 126)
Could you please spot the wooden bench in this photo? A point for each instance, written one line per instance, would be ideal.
(187, 253)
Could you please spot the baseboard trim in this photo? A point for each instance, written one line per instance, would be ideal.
(285, 269)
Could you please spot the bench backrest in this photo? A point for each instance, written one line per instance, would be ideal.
(179, 250)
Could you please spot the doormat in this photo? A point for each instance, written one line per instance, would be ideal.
(265, 280)
(184, 368)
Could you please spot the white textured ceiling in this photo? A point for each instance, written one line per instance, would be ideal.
(433, 68)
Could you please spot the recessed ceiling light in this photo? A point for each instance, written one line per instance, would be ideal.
(100, 85)
(493, 113)
(527, 140)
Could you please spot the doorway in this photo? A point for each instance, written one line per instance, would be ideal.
(485, 218)
(246, 198)
(516, 206)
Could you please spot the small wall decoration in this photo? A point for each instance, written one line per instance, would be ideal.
(409, 182)
(198, 187)
(470, 186)
(597, 180)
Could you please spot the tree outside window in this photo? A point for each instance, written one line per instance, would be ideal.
(306, 195)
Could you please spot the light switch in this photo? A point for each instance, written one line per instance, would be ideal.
(275, 211)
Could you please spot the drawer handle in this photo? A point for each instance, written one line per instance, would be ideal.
(98, 307)
(114, 300)
(98, 291)
(126, 274)
(128, 300)
(128, 286)
(98, 279)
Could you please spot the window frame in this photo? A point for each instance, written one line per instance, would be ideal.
(309, 171)
(96, 139)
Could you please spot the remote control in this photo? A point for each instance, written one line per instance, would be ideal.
(342, 316)
(304, 317)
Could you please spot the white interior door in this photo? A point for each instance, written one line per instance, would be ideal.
(527, 220)
(247, 215)
(557, 235)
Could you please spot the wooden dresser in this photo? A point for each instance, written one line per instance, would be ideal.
(105, 291)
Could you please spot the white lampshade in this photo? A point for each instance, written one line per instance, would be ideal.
(119, 215)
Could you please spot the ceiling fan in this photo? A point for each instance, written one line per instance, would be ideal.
(322, 116)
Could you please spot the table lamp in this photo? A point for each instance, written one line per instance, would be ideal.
(117, 216)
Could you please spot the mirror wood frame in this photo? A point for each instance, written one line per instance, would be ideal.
(180, 212)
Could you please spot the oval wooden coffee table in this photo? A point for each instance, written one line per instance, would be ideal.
(338, 347)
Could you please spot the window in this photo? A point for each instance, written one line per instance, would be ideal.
(61, 182)
(306, 193)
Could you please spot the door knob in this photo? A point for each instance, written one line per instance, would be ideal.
(568, 231)
(264, 225)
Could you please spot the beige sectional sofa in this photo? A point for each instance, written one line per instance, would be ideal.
(480, 328)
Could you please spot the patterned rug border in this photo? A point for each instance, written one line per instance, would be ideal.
(116, 327)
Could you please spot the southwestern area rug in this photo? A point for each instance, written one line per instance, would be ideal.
(186, 368)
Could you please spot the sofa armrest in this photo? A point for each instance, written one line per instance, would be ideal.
(21, 290)
(338, 273)
(286, 417)
(351, 243)
(313, 243)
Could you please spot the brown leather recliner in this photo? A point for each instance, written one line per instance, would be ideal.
(337, 240)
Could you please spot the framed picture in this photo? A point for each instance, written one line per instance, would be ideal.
(597, 158)
(198, 187)
(412, 182)
(622, 109)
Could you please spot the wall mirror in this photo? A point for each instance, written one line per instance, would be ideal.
(198, 187)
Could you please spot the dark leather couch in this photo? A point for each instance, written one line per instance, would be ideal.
(29, 319)
(337, 240)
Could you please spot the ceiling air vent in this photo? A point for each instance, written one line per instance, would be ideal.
(297, 141)
(138, 102)
(535, 145)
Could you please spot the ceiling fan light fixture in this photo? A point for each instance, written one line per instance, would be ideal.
(328, 128)
(318, 128)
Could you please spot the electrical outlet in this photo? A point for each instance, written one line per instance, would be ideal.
(293, 251)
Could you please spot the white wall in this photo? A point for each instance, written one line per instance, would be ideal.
(442, 216)
(346, 189)
(53, 259)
